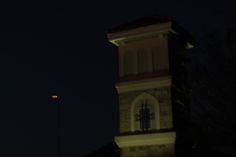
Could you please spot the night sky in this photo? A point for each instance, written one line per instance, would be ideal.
(61, 47)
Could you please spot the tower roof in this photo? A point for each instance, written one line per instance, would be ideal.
(117, 32)
(145, 21)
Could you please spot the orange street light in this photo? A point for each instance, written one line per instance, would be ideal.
(54, 97)
(57, 100)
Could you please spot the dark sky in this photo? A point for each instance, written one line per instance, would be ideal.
(62, 46)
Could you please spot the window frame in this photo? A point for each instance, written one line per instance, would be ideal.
(155, 123)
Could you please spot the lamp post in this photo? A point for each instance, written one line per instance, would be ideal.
(57, 99)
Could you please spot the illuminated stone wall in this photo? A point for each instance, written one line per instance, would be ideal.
(154, 55)
(162, 95)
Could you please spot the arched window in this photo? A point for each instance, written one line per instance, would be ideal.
(145, 113)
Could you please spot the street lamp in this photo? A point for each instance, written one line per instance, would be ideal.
(57, 99)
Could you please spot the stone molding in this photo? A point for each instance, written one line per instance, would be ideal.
(145, 139)
(143, 84)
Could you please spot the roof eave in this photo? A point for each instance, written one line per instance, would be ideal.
(119, 37)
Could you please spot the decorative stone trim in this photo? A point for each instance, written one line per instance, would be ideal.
(145, 139)
(143, 84)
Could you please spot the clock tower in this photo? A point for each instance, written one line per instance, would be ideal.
(150, 51)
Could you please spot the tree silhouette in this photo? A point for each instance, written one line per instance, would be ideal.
(212, 72)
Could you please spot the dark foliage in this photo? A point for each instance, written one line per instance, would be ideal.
(212, 69)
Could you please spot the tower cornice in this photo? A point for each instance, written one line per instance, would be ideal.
(130, 86)
(118, 38)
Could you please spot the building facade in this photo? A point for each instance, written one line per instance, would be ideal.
(148, 51)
